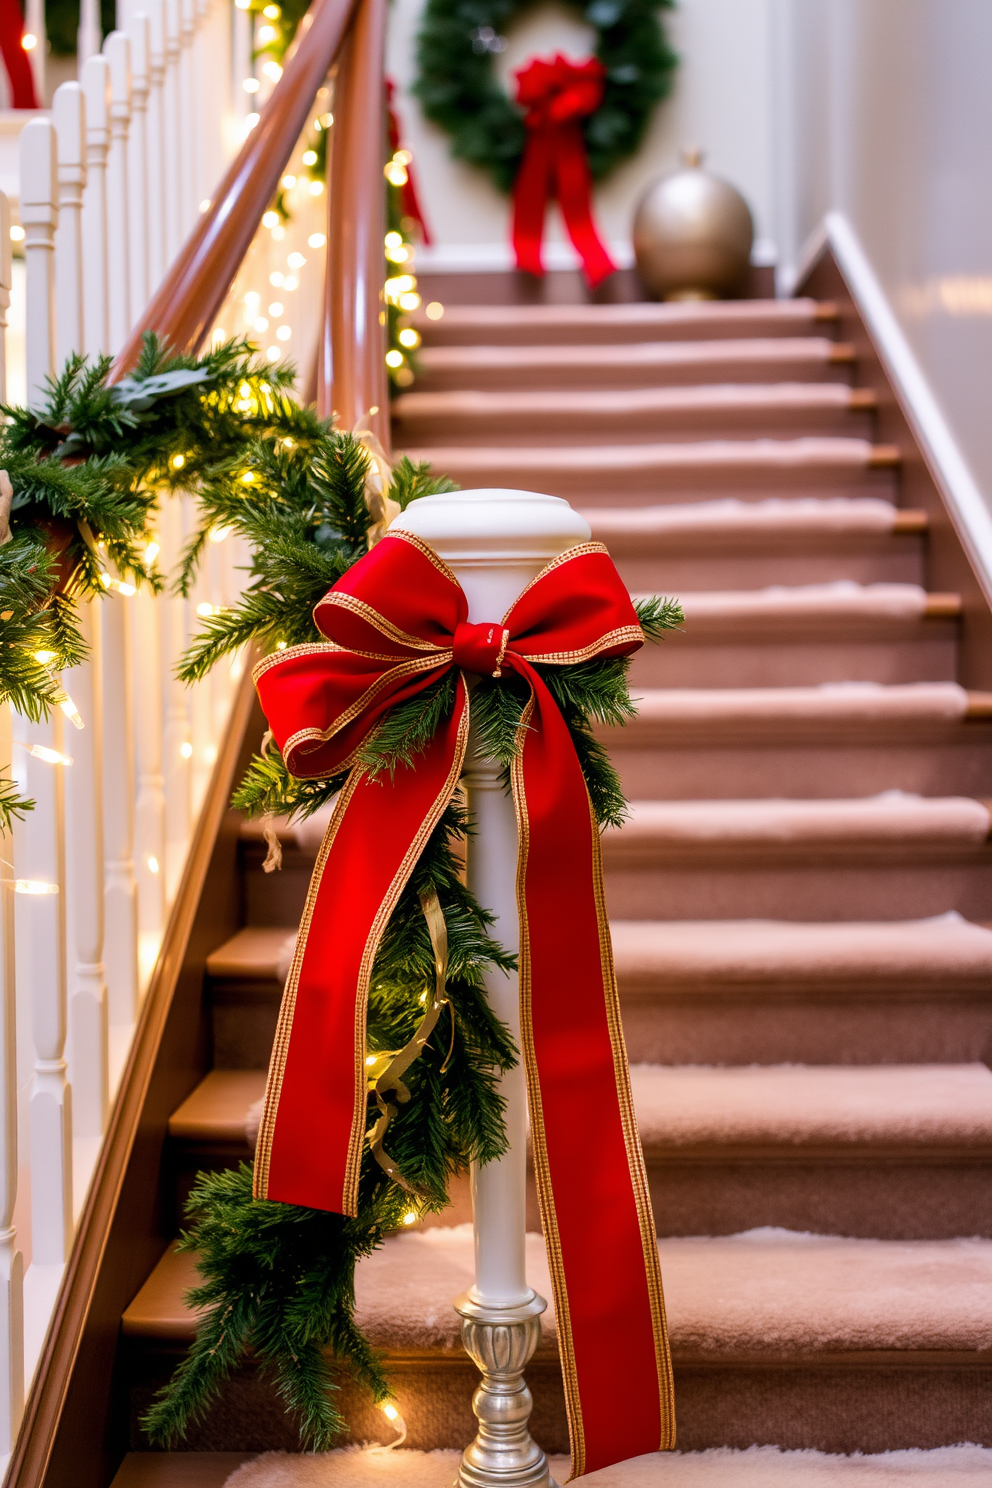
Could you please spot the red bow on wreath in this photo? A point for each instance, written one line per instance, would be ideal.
(557, 94)
(395, 622)
(408, 191)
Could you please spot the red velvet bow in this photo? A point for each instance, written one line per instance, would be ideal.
(15, 58)
(557, 93)
(394, 623)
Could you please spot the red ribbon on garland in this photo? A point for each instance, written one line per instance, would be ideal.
(395, 622)
(408, 192)
(557, 93)
(15, 58)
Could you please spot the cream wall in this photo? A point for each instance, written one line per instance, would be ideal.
(884, 113)
(723, 101)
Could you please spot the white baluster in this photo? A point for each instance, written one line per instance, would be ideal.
(41, 925)
(69, 118)
(117, 50)
(39, 215)
(201, 121)
(6, 280)
(11, 1261)
(170, 129)
(88, 1014)
(177, 746)
(90, 33)
(96, 89)
(34, 25)
(184, 123)
(157, 212)
(150, 806)
(121, 898)
(242, 66)
(137, 164)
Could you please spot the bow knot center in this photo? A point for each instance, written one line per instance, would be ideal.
(480, 648)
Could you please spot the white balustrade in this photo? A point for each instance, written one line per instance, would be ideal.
(117, 50)
(111, 184)
(34, 25)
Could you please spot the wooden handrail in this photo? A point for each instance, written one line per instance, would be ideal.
(189, 297)
(351, 374)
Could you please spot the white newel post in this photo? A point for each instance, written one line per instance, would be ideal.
(117, 50)
(11, 1261)
(137, 164)
(95, 78)
(496, 542)
(69, 117)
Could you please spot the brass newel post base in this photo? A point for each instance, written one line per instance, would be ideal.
(501, 1340)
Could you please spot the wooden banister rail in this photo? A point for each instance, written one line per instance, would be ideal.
(189, 297)
(351, 374)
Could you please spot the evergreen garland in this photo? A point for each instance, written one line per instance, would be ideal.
(459, 91)
(278, 1279)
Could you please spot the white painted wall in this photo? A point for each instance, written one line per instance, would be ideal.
(884, 114)
(722, 101)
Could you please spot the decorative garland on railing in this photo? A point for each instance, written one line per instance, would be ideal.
(278, 1279)
(86, 474)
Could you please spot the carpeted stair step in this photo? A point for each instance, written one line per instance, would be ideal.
(798, 540)
(586, 325)
(712, 743)
(806, 634)
(769, 991)
(637, 364)
(720, 1467)
(896, 1152)
(593, 416)
(890, 856)
(627, 475)
(792, 1339)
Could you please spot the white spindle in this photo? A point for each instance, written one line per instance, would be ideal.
(242, 66)
(42, 926)
(184, 124)
(121, 897)
(11, 1261)
(137, 164)
(171, 128)
(96, 89)
(90, 31)
(34, 25)
(6, 281)
(88, 1015)
(117, 50)
(157, 210)
(39, 215)
(201, 123)
(69, 118)
(177, 745)
(150, 806)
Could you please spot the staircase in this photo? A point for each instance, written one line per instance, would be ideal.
(797, 903)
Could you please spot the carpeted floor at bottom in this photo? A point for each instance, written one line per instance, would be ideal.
(758, 1467)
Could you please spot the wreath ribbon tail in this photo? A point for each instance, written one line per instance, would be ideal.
(313, 1128)
(574, 191)
(531, 192)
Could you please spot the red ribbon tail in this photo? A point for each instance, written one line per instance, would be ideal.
(15, 58)
(530, 201)
(574, 184)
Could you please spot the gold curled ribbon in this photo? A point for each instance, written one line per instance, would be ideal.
(387, 1084)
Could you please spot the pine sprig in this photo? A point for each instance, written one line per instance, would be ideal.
(408, 728)
(656, 614)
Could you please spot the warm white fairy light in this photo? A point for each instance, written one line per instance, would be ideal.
(186, 749)
(177, 462)
(284, 332)
(316, 187)
(250, 121)
(251, 85)
(295, 261)
(410, 300)
(276, 309)
(408, 337)
(276, 279)
(434, 310)
(34, 886)
(270, 219)
(272, 12)
(70, 710)
(44, 657)
(287, 183)
(272, 71)
(394, 359)
(267, 34)
(29, 41)
(152, 864)
(42, 752)
(273, 353)
(204, 609)
(218, 534)
(291, 282)
(261, 324)
(316, 240)
(205, 205)
(309, 157)
(152, 549)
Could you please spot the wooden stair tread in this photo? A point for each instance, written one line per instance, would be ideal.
(720, 716)
(808, 456)
(687, 355)
(784, 607)
(894, 823)
(464, 403)
(672, 957)
(764, 1296)
(178, 1469)
(255, 952)
(731, 524)
(905, 1109)
(468, 324)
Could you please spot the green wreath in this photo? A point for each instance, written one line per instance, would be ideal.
(458, 91)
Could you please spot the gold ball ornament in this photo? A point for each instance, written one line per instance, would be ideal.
(692, 235)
